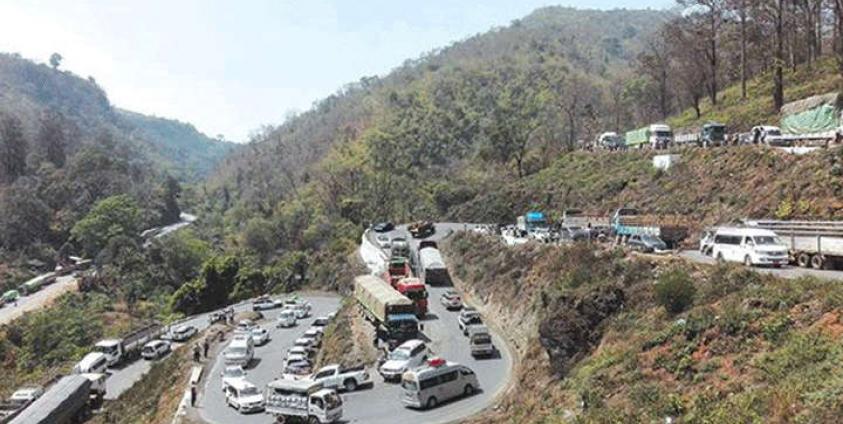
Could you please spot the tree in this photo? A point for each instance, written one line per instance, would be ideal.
(13, 148)
(51, 138)
(706, 17)
(111, 217)
(55, 60)
(24, 217)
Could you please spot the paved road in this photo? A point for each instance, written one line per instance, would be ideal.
(123, 378)
(266, 367)
(785, 272)
(38, 299)
(379, 404)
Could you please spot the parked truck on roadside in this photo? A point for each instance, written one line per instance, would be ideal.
(611, 141)
(656, 136)
(813, 121)
(303, 400)
(431, 266)
(627, 222)
(67, 401)
(392, 313)
(128, 347)
(709, 135)
(422, 229)
(397, 268)
(815, 244)
(532, 221)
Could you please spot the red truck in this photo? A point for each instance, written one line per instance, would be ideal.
(415, 290)
(397, 269)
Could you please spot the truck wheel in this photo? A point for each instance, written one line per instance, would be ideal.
(432, 402)
(817, 262)
(350, 385)
(803, 260)
(747, 260)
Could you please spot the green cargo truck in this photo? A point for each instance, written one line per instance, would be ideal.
(812, 121)
(392, 313)
(657, 136)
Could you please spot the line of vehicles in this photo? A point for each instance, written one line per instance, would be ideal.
(814, 121)
(71, 397)
(753, 242)
(37, 283)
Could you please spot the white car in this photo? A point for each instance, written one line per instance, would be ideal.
(244, 397)
(305, 342)
(750, 246)
(409, 355)
(383, 241)
(155, 349)
(183, 333)
(287, 318)
(321, 322)
(231, 374)
(315, 335)
(260, 336)
(302, 311)
(300, 351)
(245, 326)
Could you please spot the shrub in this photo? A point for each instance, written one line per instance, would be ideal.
(675, 291)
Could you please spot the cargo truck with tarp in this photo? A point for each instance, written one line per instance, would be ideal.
(814, 121)
(656, 136)
(393, 314)
(65, 402)
(432, 269)
(815, 244)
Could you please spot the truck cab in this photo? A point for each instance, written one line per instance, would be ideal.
(398, 268)
(112, 349)
(660, 136)
(713, 134)
(416, 291)
(531, 221)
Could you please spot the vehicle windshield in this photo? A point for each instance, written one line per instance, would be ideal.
(399, 355)
(766, 240)
(249, 391)
(416, 294)
(148, 349)
(410, 386)
(404, 325)
(237, 351)
(774, 132)
(234, 372)
(663, 134)
(481, 339)
(651, 239)
(106, 349)
(333, 401)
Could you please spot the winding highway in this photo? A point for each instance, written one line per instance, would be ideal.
(380, 403)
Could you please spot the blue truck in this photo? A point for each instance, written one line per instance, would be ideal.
(628, 222)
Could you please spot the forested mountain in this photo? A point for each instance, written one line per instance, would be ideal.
(64, 147)
(178, 147)
(537, 85)
(35, 93)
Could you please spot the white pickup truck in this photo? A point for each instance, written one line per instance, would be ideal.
(338, 377)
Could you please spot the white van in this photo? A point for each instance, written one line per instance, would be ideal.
(92, 363)
(240, 351)
(439, 381)
(409, 355)
(750, 246)
(244, 396)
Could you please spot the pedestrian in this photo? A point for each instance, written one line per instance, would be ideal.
(192, 395)
(205, 347)
(196, 353)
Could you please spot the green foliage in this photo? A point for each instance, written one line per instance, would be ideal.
(675, 291)
(110, 217)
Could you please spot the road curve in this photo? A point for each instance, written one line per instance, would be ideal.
(36, 300)
(379, 404)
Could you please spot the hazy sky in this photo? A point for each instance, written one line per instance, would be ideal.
(230, 66)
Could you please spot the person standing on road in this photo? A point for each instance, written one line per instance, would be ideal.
(196, 353)
(192, 395)
(205, 347)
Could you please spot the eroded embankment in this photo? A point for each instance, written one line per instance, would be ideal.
(595, 339)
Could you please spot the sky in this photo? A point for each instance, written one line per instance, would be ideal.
(229, 67)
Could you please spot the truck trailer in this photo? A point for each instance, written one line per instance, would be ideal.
(393, 314)
(813, 121)
(815, 244)
(710, 134)
(65, 402)
(656, 136)
(128, 347)
(432, 269)
(627, 222)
